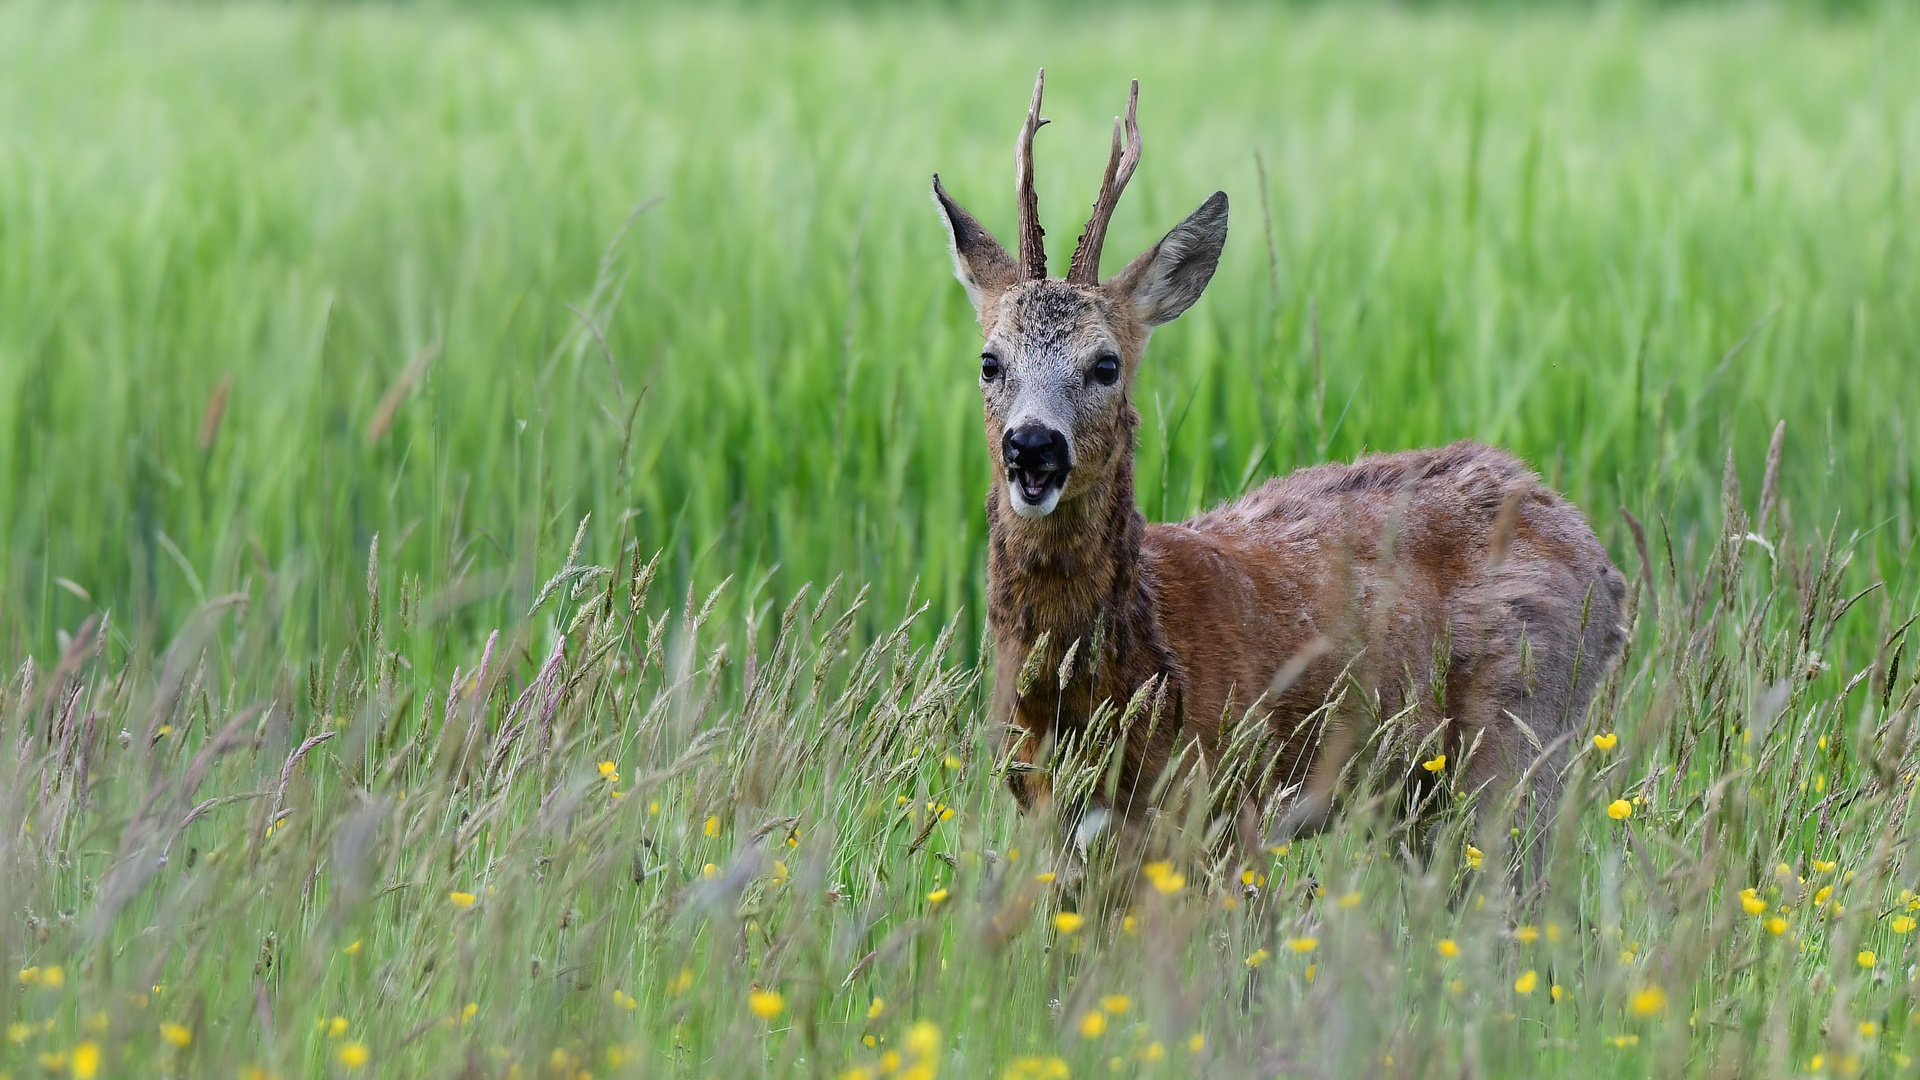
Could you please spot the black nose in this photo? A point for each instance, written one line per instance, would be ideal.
(1035, 448)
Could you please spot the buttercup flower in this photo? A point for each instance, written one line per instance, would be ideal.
(766, 1004)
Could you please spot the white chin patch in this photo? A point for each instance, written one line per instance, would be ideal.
(1032, 510)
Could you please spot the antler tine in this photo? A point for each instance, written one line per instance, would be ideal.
(1085, 268)
(1033, 249)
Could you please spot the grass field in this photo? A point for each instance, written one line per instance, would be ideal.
(355, 362)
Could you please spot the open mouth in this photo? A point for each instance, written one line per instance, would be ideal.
(1036, 486)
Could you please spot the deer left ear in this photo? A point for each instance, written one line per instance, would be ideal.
(1168, 277)
(981, 264)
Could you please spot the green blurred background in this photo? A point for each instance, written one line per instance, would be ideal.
(1619, 239)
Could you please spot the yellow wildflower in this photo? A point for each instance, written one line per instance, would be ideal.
(1776, 925)
(1751, 902)
(176, 1034)
(1093, 1024)
(336, 1027)
(1116, 1003)
(461, 899)
(1474, 857)
(1303, 945)
(1606, 742)
(1448, 947)
(85, 1062)
(1164, 877)
(712, 828)
(1069, 922)
(1258, 957)
(1647, 1001)
(923, 1039)
(353, 1054)
(353, 949)
(937, 896)
(624, 1000)
(1153, 1051)
(1036, 1068)
(609, 771)
(1865, 959)
(1619, 809)
(766, 1004)
(1526, 982)
(1196, 1043)
(1435, 764)
(1526, 935)
(1045, 877)
(1901, 924)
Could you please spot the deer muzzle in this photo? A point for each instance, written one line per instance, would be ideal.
(1038, 459)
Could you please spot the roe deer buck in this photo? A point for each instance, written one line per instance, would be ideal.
(1446, 588)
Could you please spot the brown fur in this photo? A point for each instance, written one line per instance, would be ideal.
(1454, 587)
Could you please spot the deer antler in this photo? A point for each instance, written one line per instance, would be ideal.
(1033, 250)
(1085, 268)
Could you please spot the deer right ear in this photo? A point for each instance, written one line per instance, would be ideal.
(981, 264)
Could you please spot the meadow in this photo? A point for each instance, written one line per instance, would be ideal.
(493, 551)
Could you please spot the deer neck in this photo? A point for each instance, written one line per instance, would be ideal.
(1073, 576)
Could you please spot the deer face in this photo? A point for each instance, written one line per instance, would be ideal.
(1057, 370)
(1054, 377)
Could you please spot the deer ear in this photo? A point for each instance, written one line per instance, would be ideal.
(1169, 276)
(979, 261)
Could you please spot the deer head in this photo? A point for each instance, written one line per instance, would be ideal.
(1056, 376)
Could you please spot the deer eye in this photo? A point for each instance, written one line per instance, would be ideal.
(1106, 370)
(989, 367)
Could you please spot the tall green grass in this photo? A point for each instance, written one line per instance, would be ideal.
(278, 280)
(1619, 244)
